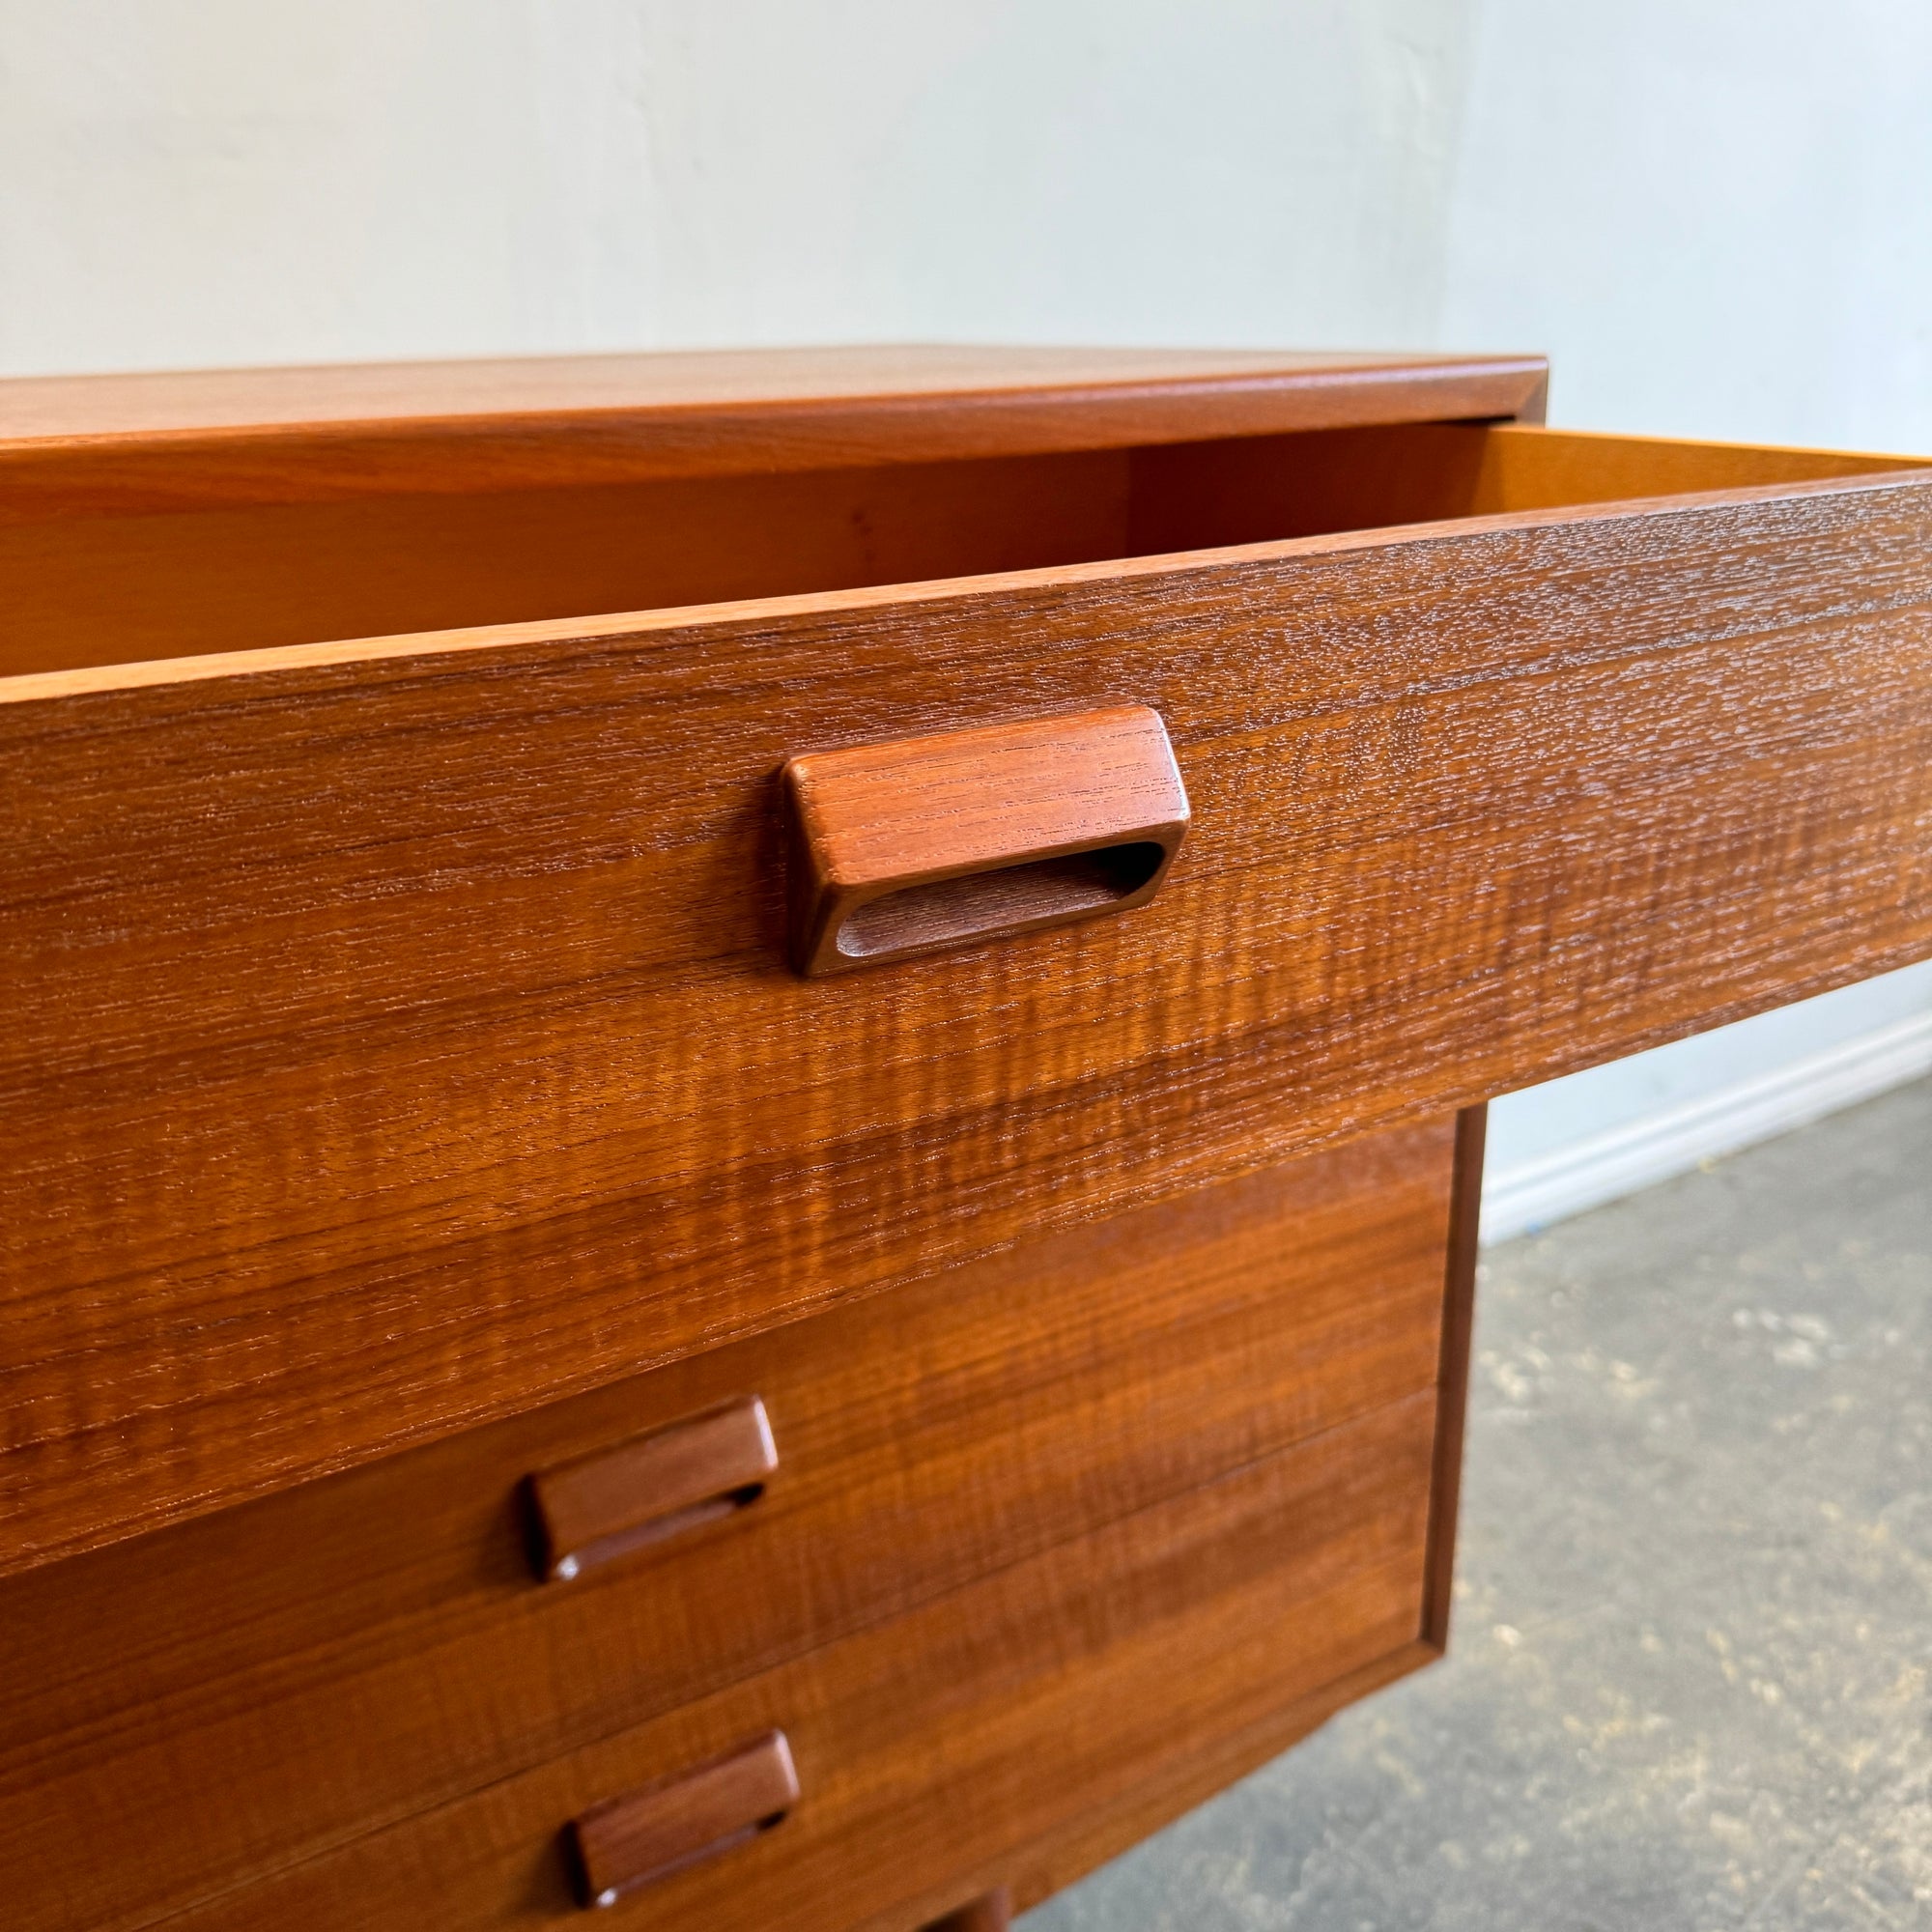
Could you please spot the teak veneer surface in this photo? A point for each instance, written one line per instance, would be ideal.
(1210, 1759)
(641, 1838)
(128, 588)
(132, 587)
(373, 1645)
(401, 1033)
(926, 844)
(1205, 1765)
(124, 589)
(404, 1050)
(180, 439)
(933, 1745)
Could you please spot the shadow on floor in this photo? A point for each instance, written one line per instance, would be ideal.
(1688, 1685)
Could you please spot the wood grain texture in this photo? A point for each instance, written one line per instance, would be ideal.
(93, 445)
(1217, 1759)
(902, 848)
(642, 1837)
(1257, 488)
(616, 1501)
(1211, 1760)
(390, 1053)
(936, 1743)
(1222, 1757)
(130, 588)
(134, 587)
(264, 1684)
(1452, 1381)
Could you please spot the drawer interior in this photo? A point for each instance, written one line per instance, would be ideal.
(89, 589)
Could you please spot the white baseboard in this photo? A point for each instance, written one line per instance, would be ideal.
(1533, 1193)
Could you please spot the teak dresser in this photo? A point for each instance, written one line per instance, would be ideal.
(801, 1258)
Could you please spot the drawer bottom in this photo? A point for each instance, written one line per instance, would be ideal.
(937, 1749)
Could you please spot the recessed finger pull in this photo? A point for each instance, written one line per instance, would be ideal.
(906, 848)
(648, 1834)
(615, 1501)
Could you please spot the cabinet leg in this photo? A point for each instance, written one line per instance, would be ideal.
(993, 1912)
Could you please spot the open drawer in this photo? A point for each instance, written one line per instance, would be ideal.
(401, 1030)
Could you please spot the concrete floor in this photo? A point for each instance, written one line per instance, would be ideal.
(1688, 1685)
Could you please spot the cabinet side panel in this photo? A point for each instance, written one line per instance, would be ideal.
(1458, 1315)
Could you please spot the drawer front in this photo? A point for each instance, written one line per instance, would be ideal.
(241, 1692)
(401, 1034)
(932, 1749)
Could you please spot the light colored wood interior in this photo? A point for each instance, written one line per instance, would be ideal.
(89, 589)
(1264, 489)
(126, 589)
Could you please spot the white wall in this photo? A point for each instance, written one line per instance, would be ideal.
(221, 181)
(1713, 212)
(1717, 217)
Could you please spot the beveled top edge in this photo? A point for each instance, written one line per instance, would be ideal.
(69, 408)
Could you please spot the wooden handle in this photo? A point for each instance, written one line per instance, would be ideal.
(614, 1501)
(903, 848)
(648, 1834)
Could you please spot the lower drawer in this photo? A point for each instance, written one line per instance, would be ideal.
(192, 1711)
(932, 1748)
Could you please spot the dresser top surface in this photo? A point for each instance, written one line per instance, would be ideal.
(729, 384)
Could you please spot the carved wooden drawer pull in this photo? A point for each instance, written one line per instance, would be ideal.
(903, 848)
(647, 1834)
(608, 1504)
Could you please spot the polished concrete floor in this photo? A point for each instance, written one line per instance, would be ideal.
(1689, 1678)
